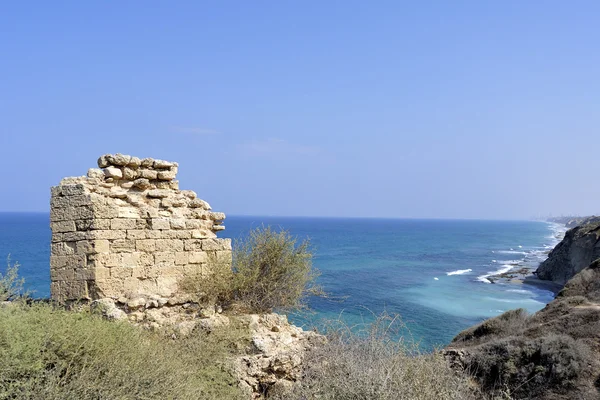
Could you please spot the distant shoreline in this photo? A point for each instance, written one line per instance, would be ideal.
(521, 274)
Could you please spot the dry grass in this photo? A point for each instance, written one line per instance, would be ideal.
(511, 322)
(368, 364)
(50, 353)
(528, 368)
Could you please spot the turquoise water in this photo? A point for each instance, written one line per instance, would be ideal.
(431, 272)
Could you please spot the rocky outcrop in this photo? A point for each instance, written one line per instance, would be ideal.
(279, 351)
(579, 247)
(271, 361)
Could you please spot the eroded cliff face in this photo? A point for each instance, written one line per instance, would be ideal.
(579, 247)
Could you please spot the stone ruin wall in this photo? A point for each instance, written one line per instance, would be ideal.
(126, 231)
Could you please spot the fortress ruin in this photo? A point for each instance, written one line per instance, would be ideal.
(126, 231)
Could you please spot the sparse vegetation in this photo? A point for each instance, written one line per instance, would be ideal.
(369, 364)
(552, 354)
(270, 270)
(50, 353)
(11, 286)
(508, 323)
(528, 367)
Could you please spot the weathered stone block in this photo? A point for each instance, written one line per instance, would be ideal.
(202, 234)
(176, 234)
(148, 174)
(146, 245)
(63, 248)
(197, 257)
(136, 234)
(73, 190)
(130, 174)
(164, 258)
(123, 223)
(181, 257)
(160, 223)
(145, 259)
(169, 245)
(83, 274)
(70, 201)
(62, 274)
(113, 172)
(122, 246)
(128, 212)
(75, 236)
(95, 173)
(216, 244)
(93, 246)
(99, 224)
(106, 212)
(197, 203)
(162, 164)
(101, 273)
(158, 193)
(119, 159)
(141, 183)
(193, 224)
(167, 175)
(107, 234)
(121, 272)
(71, 213)
(178, 223)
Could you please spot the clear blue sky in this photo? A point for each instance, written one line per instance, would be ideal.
(316, 108)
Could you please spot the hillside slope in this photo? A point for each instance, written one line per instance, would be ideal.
(553, 354)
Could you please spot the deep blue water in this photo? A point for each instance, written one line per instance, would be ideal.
(416, 268)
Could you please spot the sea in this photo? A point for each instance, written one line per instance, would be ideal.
(429, 273)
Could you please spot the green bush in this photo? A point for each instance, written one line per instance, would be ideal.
(269, 270)
(11, 286)
(369, 364)
(50, 353)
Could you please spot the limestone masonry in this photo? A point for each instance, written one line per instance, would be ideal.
(126, 231)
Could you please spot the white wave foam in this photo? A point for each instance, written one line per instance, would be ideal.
(512, 301)
(505, 268)
(512, 262)
(494, 261)
(519, 291)
(459, 272)
(436, 278)
(512, 252)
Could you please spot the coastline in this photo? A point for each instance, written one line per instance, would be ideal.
(522, 272)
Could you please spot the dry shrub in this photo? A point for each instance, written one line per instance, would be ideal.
(50, 353)
(270, 269)
(509, 323)
(369, 364)
(11, 286)
(529, 367)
